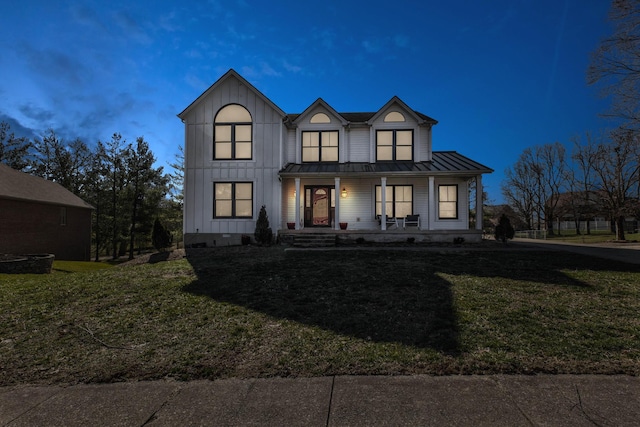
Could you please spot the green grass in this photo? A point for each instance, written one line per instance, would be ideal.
(78, 266)
(256, 312)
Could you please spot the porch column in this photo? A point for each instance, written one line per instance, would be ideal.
(383, 200)
(432, 202)
(336, 220)
(297, 203)
(479, 193)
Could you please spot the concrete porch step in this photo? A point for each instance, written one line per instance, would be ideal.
(309, 240)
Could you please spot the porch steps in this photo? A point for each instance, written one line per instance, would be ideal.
(310, 240)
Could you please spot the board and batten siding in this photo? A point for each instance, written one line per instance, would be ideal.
(201, 171)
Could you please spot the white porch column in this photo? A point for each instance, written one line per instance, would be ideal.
(432, 202)
(479, 203)
(336, 224)
(383, 200)
(297, 203)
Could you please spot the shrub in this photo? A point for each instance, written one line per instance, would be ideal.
(160, 236)
(263, 233)
(411, 239)
(504, 230)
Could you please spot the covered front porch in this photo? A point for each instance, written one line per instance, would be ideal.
(389, 236)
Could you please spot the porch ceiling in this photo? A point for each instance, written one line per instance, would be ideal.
(443, 163)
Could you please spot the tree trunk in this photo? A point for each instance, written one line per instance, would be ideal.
(620, 228)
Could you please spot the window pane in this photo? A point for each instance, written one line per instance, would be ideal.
(320, 118)
(403, 209)
(448, 193)
(404, 137)
(233, 114)
(330, 139)
(223, 208)
(448, 210)
(385, 137)
(330, 154)
(403, 153)
(243, 133)
(243, 150)
(244, 208)
(244, 190)
(310, 154)
(223, 150)
(394, 116)
(223, 133)
(223, 191)
(385, 153)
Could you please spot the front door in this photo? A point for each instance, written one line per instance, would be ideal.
(318, 206)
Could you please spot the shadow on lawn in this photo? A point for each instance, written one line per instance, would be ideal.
(369, 296)
(383, 296)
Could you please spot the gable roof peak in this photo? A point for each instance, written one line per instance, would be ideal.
(319, 103)
(230, 74)
(417, 116)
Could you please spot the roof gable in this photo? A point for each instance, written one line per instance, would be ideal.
(229, 74)
(18, 185)
(319, 104)
(418, 117)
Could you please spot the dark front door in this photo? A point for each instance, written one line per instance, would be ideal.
(318, 206)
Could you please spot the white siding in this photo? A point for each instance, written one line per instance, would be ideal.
(202, 171)
(358, 144)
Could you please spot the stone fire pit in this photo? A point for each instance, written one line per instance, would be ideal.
(26, 264)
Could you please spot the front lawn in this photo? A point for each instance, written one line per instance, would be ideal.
(262, 312)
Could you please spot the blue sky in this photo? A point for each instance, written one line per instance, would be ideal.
(498, 75)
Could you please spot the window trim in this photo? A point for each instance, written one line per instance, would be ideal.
(319, 132)
(393, 206)
(233, 141)
(394, 146)
(233, 200)
(446, 218)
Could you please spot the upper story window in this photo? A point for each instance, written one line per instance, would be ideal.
(448, 201)
(320, 146)
(320, 118)
(393, 117)
(232, 134)
(394, 145)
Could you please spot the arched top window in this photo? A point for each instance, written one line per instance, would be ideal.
(394, 117)
(233, 113)
(232, 134)
(320, 118)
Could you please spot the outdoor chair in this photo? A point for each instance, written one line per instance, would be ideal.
(411, 221)
(390, 221)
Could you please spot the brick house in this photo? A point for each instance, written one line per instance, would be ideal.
(40, 216)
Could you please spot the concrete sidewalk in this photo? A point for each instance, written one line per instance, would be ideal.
(552, 400)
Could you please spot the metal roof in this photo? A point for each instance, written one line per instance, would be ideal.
(442, 163)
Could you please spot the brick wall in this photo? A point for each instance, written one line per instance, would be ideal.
(27, 227)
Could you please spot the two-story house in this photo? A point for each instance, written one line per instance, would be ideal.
(375, 173)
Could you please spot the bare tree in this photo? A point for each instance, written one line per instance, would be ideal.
(616, 167)
(616, 62)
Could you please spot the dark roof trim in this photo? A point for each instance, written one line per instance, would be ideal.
(443, 163)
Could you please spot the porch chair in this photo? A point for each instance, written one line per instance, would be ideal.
(411, 221)
(390, 221)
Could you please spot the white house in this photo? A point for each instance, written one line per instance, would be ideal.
(317, 169)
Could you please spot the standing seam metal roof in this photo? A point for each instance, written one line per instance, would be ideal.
(443, 162)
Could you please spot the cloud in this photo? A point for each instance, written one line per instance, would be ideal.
(401, 40)
(290, 67)
(263, 69)
(55, 66)
(131, 29)
(36, 113)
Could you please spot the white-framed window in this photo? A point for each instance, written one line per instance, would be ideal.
(232, 134)
(320, 146)
(448, 201)
(394, 145)
(233, 200)
(399, 200)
